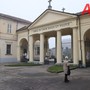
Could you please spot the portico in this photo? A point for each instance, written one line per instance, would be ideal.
(52, 23)
(46, 26)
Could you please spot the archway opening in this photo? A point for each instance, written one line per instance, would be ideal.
(87, 47)
(67, 47)
(37, 50)
(24, 50)
(52, 48)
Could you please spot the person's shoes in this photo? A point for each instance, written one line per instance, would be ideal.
(66, 81)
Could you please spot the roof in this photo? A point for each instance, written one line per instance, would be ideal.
(73, 14)
(23, 28)
(64, 12)
(55, 11)
(80, 13)
(15, 18)
(26, 27)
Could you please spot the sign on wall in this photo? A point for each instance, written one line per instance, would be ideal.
(86, 9)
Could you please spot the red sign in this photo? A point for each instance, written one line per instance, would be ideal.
(86, 9)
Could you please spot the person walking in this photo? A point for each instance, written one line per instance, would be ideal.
(65, 69)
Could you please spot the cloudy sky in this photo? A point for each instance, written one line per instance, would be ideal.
(31, 9)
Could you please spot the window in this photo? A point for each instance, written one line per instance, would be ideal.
(35, 50)
(9, 27)
(38, 50)
(8, 49)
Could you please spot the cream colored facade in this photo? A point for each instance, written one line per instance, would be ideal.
(52, 23)
(8, 36)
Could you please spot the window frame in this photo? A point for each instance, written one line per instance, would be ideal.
(8, 49)
(9, 28)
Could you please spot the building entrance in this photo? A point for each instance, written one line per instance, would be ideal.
(87, 48)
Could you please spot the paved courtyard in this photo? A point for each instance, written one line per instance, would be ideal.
(37, 78)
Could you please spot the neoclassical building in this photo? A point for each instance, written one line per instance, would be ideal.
(18, 36)
(53, 23)
(8, 37)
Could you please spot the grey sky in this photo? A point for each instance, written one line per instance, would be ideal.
(31, 9)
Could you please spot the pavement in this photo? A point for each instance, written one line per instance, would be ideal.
(37, 78)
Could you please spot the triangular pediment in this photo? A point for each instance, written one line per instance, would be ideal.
(51, 16)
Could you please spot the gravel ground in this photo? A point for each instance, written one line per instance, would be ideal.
(37, 78)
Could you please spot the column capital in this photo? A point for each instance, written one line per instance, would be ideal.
(42, 33)
(76, 28)
(30, 35)
(58, 30)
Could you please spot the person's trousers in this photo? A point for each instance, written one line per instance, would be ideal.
(66, 78)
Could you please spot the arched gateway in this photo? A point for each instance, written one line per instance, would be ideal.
(52, 23)
(23, 49)
(87, 47)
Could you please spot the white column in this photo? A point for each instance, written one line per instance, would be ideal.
(31, 48)
(59, 52)
(75, 46)
(46, 46)
(72, 47)
(83, 53)
(18, 53)
(41, 48)
(56, 47)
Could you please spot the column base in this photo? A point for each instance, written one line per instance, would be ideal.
(76, 62)
(58, 63)
(84, 66)
(41, 62)
(30, 62)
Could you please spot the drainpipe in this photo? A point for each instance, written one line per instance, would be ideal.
(28, 45)
(79, 23)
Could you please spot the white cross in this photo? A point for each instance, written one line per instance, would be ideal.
(49, 2)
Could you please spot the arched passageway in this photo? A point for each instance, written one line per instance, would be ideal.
(67, 47)
(24, 50)
(37, 50)
(87, 47)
